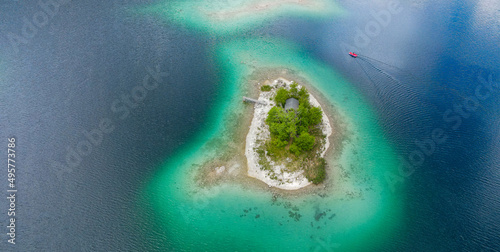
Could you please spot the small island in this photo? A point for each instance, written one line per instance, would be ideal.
(288, 137)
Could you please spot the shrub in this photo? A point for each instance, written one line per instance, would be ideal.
(294, 149)
(278, 143)
(272, 150)
(305, 141)
(266, 88)
(320, 171)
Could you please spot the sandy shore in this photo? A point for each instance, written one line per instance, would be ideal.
(259, 132)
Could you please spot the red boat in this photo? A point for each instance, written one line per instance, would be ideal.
(353, 55)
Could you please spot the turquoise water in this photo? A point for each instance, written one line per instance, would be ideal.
(229, 17)
(236, 217)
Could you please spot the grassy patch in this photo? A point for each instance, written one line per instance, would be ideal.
(266, 88)
(316, 173)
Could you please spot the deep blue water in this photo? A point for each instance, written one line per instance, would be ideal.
(429, 59)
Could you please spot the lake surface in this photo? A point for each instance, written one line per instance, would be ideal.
(427, 72)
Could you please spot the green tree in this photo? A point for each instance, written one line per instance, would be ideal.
(303, 94)
(294, 92)
(305, 141)
(291, 124)
(281, 96)
(303, 112)
(282, 125)
(309, 116)
(315, 116)
(279, 131)
(304, 102)
(273, 115)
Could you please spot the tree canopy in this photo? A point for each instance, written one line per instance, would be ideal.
(293, 128)
(281, 96)
(294, 134)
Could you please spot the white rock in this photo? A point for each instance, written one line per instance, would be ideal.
(219, 170)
